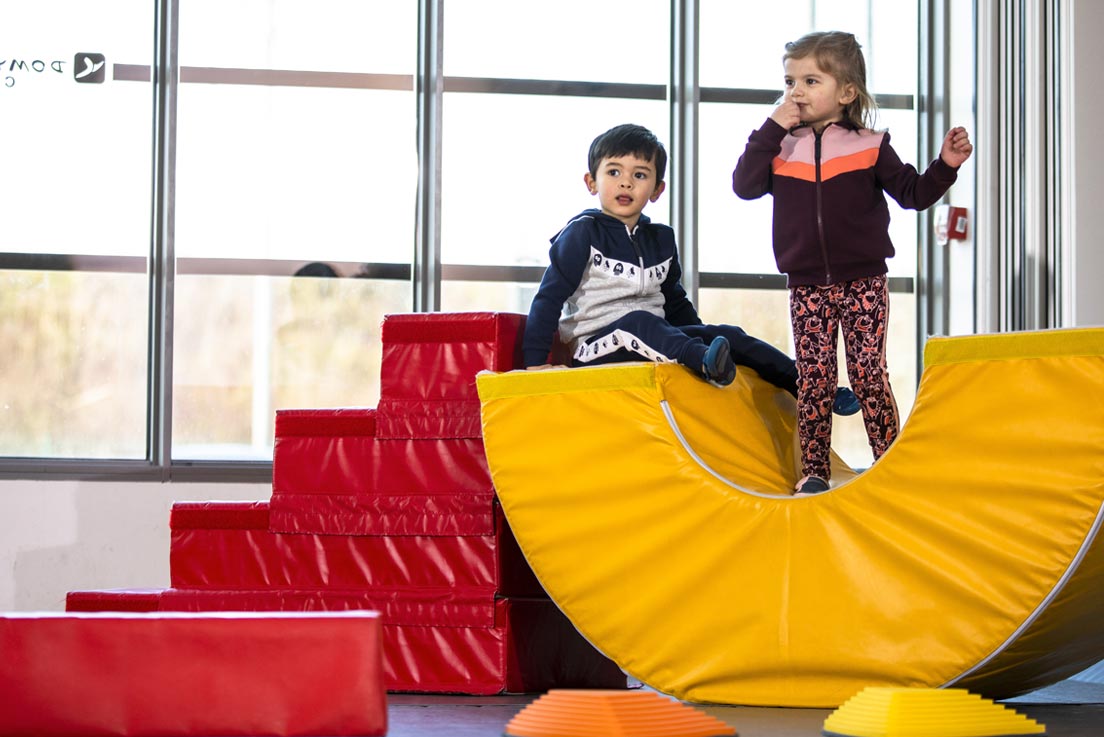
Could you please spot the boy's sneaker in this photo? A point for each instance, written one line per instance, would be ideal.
(718, 366)
(845, 403)
(811, 485)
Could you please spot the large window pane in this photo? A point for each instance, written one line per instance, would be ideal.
(513, 171)
(742, 43)
(258, 344)
(734, 234)
(579, 40)
(297, 152)
(887, 30)
(72, 364)
(295, 173)
(372, 36)
(75, 159)
(513, 164)
(492, 296)
(901, 125)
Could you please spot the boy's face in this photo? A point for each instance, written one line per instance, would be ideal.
(624, 185)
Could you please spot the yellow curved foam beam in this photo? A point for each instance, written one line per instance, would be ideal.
(655, 510)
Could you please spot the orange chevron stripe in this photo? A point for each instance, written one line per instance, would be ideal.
(833, 167)
(852, 162)
(793, 169)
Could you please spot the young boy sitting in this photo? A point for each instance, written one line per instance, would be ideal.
(615, 277)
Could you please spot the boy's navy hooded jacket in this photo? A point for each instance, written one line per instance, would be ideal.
(600, 271)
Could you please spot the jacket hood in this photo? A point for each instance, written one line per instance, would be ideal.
(608, 221)
(803, 129)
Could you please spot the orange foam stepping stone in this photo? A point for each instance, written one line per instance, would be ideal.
(592, 713)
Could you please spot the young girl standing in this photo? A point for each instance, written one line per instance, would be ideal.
(828, 171)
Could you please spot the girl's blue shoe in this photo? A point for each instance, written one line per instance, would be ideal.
(845, 403)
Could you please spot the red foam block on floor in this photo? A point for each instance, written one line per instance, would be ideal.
(192, 674)
(228, 545)
(443, 641)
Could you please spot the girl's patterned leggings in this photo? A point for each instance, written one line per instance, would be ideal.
(861, 307)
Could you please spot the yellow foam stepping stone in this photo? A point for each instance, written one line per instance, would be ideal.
(656, 510)
(926, 712)
(591, 713)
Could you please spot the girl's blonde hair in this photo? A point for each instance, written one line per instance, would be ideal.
(840, 55)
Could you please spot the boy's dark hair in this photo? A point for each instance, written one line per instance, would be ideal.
(628, 139)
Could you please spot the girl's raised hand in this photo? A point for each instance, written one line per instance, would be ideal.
(787, 114)
(956, 147)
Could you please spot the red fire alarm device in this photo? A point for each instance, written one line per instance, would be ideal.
(950, 223)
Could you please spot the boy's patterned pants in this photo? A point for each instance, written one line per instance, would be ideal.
(861, 308)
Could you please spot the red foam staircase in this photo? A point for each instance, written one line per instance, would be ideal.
(388, 509)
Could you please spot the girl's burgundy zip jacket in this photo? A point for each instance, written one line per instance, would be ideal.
(831, 220)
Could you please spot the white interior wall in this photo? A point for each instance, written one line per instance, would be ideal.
(58, 536)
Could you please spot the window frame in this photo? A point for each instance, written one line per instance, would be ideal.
(425, 271)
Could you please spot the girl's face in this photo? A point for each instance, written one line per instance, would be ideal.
(624, 185)
(820, 98)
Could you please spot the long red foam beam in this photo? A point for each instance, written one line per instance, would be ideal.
(178, 675)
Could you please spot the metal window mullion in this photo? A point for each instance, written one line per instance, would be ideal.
(682, 98)
(1034, 137)
(1002, 168)
(1057, 310)
(162, 245)
(987, 219)
(1064, 166)
(933, 83)
(1052, 225)
(1011, 245)
(429, 91)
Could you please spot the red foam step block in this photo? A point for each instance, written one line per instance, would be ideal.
(228, 545)
(435, 642)
(337, 451)
(192, 674)
(428, 368)
(429, 363)
(384, 514)
(435, 356)
(424, 607)
(114, 600)
(332, 474)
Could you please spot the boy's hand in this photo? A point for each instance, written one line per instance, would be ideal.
(538, 368)
(787, 114)
(956, 147)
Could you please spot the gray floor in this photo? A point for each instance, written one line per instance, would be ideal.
(1069, 709)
